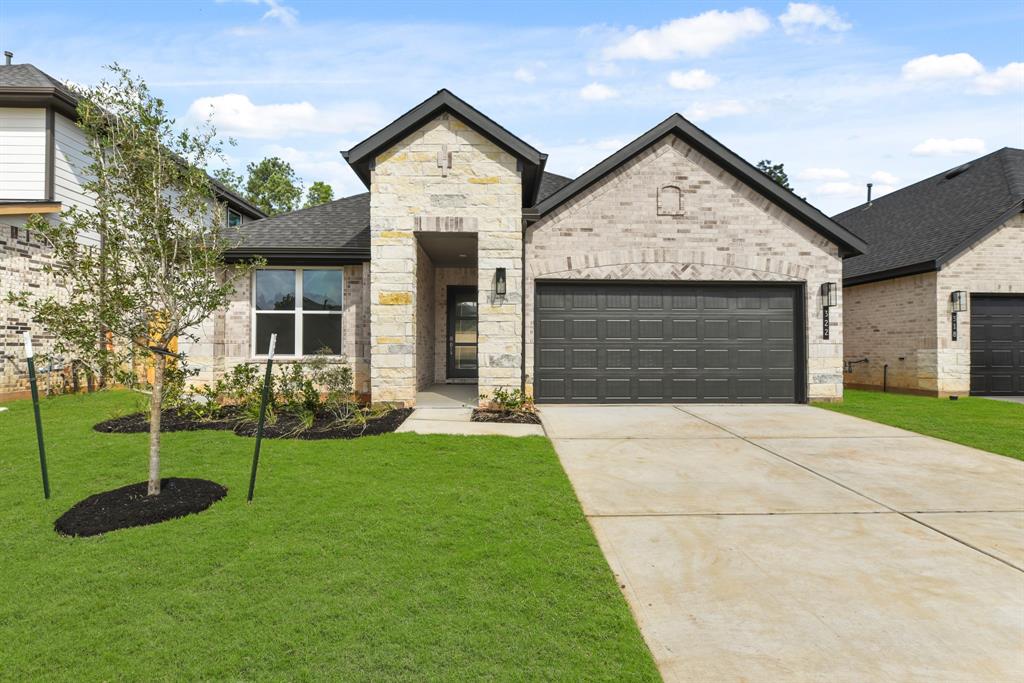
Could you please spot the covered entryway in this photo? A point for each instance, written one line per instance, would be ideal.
(997, 345)
(601, 342)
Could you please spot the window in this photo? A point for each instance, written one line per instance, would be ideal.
(302, 306)
(234, 218)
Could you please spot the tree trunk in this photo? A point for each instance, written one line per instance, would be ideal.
(155, 401)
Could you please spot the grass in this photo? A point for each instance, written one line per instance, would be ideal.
(396, 557)
(995, 426)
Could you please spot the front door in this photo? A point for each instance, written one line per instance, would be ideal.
(462, 319)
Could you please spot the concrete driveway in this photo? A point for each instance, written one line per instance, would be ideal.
(789, 543)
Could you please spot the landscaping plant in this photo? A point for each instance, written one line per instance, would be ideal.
(156, 271)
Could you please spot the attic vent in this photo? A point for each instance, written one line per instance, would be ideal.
(957, 171)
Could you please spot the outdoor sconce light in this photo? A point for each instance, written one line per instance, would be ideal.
(829, 298)
(958, 302)
(499, 281)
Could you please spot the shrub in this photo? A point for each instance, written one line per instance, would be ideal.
(510, 401)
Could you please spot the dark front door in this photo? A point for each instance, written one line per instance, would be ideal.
(624, 342)
(997, 345)
(462, 319)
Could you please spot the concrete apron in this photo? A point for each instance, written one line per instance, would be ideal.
(789, 543)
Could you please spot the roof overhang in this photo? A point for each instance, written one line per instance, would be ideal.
(362, 155)
(848, 243)
(40, 97)
(298, 257)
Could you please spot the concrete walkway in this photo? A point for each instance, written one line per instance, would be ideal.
(448, 409)
(789, 543)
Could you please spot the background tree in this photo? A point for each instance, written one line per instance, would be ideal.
(155, 274)
(318, 193)
(273, 186)
(229, 179)
(777, 172)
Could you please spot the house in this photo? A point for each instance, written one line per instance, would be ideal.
(937, 305)
(671, 271)
(43, 155)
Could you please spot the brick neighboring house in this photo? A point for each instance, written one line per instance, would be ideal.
(961, 231)
(671, 271)
(43, 156)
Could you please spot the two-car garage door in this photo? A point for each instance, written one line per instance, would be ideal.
(628, 342)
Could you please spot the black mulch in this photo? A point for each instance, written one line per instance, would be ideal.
(129, 506)
(325, 427)
(526, 418)
(285, 427)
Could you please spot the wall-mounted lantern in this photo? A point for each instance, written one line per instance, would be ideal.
(499, 281)
(829, 298)
(958, 304)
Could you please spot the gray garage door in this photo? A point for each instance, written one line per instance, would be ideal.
(997, 345)
(624, 342)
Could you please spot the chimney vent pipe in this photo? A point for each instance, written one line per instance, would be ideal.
(869, 193)
(8, 57)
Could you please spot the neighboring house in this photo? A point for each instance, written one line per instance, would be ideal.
(955, 237)
(671, 271)
(42, 158)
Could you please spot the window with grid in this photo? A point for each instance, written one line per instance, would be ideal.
(302, 306)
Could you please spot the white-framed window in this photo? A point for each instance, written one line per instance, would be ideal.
(234, 219)
(302, 306)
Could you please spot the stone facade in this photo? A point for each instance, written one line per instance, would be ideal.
(628, 226)
(906, 323)
(225, 338)
(445, 177)
(23, 257)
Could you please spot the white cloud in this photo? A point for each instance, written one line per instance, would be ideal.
(1007, 78)
(288, 16)
(323, 164)
(942, 67)
(885, 178)
(236, 115)
(802, 18)
(705, 111)
(841, 189)
(694, 79)
(697, 36)
(823, 174)
(933, 147)
(595, 92)
(524, 75)
(879, 190)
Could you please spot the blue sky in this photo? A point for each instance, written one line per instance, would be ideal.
(843, 93)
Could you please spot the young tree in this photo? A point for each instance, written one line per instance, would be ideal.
(273, 186)
(156, 271)
(229, 179)
(777, 172)
(318, 193)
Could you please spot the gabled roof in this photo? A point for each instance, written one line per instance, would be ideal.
(924, 226)
(361, 156)
(676, 125)
(27, 85)
(337, 231)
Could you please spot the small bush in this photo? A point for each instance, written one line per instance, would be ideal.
(510, 401)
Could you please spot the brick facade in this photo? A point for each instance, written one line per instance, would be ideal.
(673, 214)
(414, 189)
(906, 322)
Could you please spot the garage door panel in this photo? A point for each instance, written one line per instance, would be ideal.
(997, 345)
(737, 343)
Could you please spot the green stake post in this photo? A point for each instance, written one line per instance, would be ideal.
(35, 407)
(263, 415)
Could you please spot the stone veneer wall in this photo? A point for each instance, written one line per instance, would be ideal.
(22, 259)
(444, 278)
(892, 322)
(993, 266)
(909, 318)
(224, 339)
(716, 229)
(413, 190)
(425, 330)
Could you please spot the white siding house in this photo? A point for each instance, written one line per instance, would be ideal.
(22, 153)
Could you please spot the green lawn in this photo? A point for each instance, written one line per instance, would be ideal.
(995, 426)
(397, 557)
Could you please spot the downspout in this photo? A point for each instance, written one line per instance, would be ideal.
(529, 216)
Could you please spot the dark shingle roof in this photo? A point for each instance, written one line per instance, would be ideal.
(27, 77)
(339, 229)
(923, 226)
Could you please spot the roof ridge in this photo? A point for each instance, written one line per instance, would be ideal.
(1014, 177)
(310, 208)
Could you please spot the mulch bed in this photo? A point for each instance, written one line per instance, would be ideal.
(129, 506)
(285, 427)
(523, 418)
